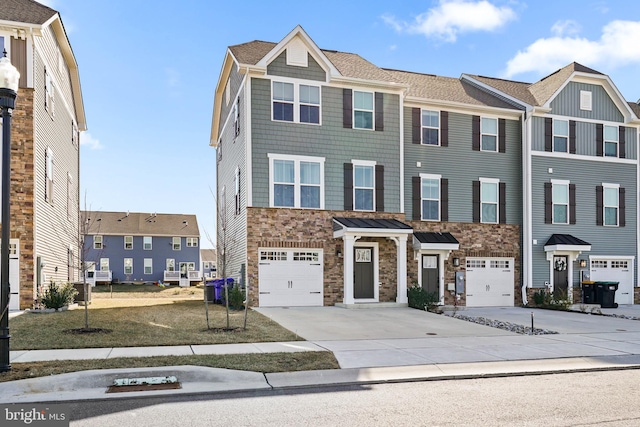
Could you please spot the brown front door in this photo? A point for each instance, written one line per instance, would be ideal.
(560, 277)
(430, 274)
(363, 273)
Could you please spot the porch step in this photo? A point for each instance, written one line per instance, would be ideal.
(362, 305)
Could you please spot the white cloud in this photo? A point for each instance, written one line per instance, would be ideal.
(89, 141)
(617, 46)
(453, 17)
(565, 28)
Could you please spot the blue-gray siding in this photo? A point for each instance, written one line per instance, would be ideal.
(330, 140)
(162, 249)
(586, 175)
(279, 67)
(567, 103)
(461, 166)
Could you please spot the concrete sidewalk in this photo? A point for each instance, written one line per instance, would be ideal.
(371, 345)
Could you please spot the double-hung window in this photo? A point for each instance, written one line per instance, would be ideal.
(489, 134)
(148, 266)
(430, 197)
(430, 127)
(192, 242)
(128, 242)
(296, 181)
(362, 110)
(363, 186)
(170, 264)
(611, 204)
(176, 243)
(49, 100)
(295, 102)
(560, 135)
(611, 141)
(560, 194)
(489, 200)
(104, 264)
(128, 266)
(147, 243)
(97, 242)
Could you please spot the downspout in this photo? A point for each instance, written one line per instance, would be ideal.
(527, 237)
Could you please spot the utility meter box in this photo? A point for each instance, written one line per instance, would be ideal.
(459, 282)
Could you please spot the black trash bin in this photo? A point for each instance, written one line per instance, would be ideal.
(588, 292)
(210, 290)
(608, 294)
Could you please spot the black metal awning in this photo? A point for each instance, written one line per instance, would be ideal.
(566, 242)
(371, 226)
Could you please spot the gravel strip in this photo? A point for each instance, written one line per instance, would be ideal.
(512, 327)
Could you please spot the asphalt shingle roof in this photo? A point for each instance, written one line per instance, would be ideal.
(141, 224)
(27, 11)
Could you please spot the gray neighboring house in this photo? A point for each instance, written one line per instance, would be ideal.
(134, 247)
(209, 260)
(341, 183)
(47, 119)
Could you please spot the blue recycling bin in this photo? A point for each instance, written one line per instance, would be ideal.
(215, 289)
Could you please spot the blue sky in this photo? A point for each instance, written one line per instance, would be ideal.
(148, 70)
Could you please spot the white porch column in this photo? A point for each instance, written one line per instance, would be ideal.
(401, 246)
(348, 268)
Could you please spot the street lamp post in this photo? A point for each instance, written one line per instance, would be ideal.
(9, 77)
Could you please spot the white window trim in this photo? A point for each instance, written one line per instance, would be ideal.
(101, 239)
(125, 266)
(605, 141)
(296, 183)
(553, 141)
(615, 187)
(497, 202)
(104, 266)
(144, 243)
(422, 126)
(365, 163)
(373, 110)
(49, 173)
(192, 242)
(439, 178)
(170, 266)
(148, 263)
(585, 100)
(296, 99)
(173, 244)
(566, 183)
(497, 134)
(125, 243)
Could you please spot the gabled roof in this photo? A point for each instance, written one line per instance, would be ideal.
(448, 89)
(33, 16)
(208, 254)
(140, 224)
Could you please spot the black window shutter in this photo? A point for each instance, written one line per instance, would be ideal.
(502, 135)
(379, 109)
(572, 203)
(548, 203)
(502, 195)
(548, 134)
(476, 201)
(475, 130)
(599, 140)
(416, 191)
(621, 207)
(379, 188)
(347, 108)
(599, 205)
(348, 186)
(572, 136)
(416, 125)
(621, 142)
(444, 199)
(444, 128)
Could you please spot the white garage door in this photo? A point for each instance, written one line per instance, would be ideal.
(490, 282)
(615, 270)
(290, 277)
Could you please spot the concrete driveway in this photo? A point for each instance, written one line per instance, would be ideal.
(376, 337)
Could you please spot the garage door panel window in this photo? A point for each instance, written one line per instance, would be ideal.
(474, 263)
(499, 264)
(297, 182)
(598, 264)
(273, 256)
(306, 256)
(620, 264)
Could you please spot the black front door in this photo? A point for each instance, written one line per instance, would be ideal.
(363, 273)
(560, 277)
(430, 274)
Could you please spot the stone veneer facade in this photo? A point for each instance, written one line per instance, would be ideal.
(22, 191)
(299, 228)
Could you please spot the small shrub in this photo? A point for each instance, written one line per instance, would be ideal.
(421, 299)
(557, 300)
(236, 298)
(57, 296)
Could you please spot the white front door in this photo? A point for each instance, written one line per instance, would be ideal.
(490, 282)
(290, 277)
